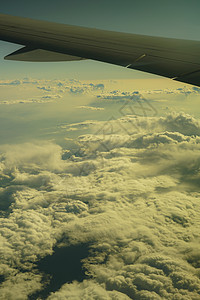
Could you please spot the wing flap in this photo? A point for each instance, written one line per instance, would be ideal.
(173, 68)
(39, 55)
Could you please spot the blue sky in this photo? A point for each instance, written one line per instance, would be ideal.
(179, 19)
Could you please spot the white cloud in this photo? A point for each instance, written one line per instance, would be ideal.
(132, 196)
(20, 285)
(90, 107)
(86, 290)
(121, 96)
(41, 155)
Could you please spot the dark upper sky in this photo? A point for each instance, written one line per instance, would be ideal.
(177, 18)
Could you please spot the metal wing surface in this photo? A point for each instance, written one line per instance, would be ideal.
(47, 41)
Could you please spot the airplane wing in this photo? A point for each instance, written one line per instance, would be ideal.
(46, 41)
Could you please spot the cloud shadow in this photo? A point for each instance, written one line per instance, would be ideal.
(63, 266)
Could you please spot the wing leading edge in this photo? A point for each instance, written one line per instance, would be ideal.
(47, 41)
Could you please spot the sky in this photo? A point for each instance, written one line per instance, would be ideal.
(177, 19)
(99, 166)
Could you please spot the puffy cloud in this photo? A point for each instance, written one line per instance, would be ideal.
(20, 285)
(182, 123)
(121, 96)
(130, 192)
(85, 88)
(86, 290)
(38, 155)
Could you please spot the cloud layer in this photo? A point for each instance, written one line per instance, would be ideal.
(106, 91)
(130, 192)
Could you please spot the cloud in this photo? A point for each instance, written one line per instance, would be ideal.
(18, 82)
(130, 191)
(182, 123)
(14, 82)
(44, 91)
(20, 285)
(120, 96)
(186, 90)
(86, 290)
(90, 107)
(85, 88)
(102, 95)
(39, 99)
